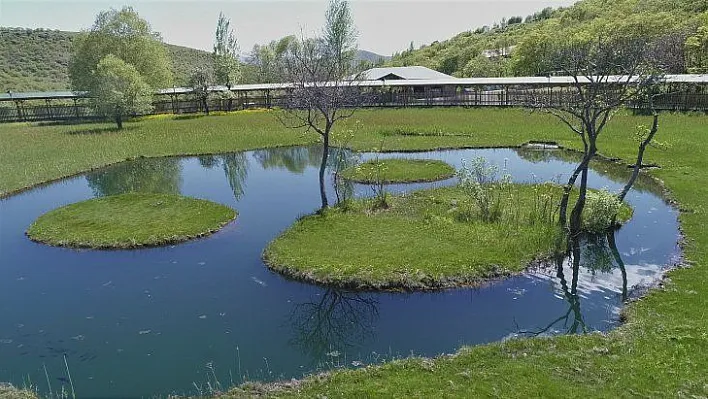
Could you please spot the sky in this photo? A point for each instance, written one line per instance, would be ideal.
(384, 27)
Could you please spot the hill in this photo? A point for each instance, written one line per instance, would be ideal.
(38, 60)
(368, 56)
(498, 50)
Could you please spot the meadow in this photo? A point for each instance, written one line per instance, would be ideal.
(660, 349)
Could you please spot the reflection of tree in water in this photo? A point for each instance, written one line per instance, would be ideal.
(293, 159)
(208, 161)
(156, 175)
(595, 253)
(612, 171)
(333, 322)
(236, 170)
(339, 160)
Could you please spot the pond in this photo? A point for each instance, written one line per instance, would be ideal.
(180, 318)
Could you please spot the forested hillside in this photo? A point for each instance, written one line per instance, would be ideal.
(507, 48)
(38, 60)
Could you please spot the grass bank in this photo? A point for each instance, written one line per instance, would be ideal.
(130, 221)
(386, 171)
(425, 240)
(658, 352)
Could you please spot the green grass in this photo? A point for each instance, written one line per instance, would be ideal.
(10, 392)
(658, 352)
(31, 154)
(425, 240)
(387, 171)
(129, 221)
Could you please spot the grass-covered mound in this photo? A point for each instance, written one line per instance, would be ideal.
(399, 171)
(129, 221)
(429, 239)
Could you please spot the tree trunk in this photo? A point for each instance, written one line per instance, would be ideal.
(577, 213)
(323, 168)
(640, 157)
(620, 263)
(119, 121)
(206, 106)
(563, 212)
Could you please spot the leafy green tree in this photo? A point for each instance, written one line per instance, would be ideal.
(119, 90)
(227, 68)
(126, 36)
(268, 61)
(200, 81)
(340, 36)
(482, 66)
(697, 51)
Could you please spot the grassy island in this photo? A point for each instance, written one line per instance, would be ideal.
(399, 171)
(129, 221)
(425, 240)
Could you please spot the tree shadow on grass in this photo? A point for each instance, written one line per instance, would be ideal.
(101, 130)
(191, 116)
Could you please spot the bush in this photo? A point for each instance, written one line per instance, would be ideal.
(480, 182)
(601, 208)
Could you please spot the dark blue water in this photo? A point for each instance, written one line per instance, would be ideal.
(181, 318)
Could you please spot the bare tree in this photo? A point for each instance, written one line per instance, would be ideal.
(605, 77)
(322, 94)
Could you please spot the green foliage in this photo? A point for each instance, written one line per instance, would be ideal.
(340, 36)
(482, 66)
(184, 60)
(697, 51)
(130, 220)
(34, 59)
(126, 36)
(519, 46)
(479, 180)
(601, 210)
(200, 80)
(38, 60)
(227, 68)
(267, 61)
(119, 90)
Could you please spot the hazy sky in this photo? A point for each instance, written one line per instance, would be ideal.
(384, 26)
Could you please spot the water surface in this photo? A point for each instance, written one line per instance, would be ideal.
(178, 318)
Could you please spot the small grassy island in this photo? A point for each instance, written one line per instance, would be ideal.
(425, 240)
(399, 171)
(129, 221)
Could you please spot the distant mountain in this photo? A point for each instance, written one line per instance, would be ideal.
(38, 60)
(363, 55)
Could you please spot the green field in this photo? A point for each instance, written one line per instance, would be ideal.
(386, 171)
(129, 221)
(426, 240)
(658, 352)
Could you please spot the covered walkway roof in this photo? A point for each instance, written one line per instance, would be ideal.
(456, 82)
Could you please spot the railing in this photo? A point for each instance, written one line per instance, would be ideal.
(78, 108)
